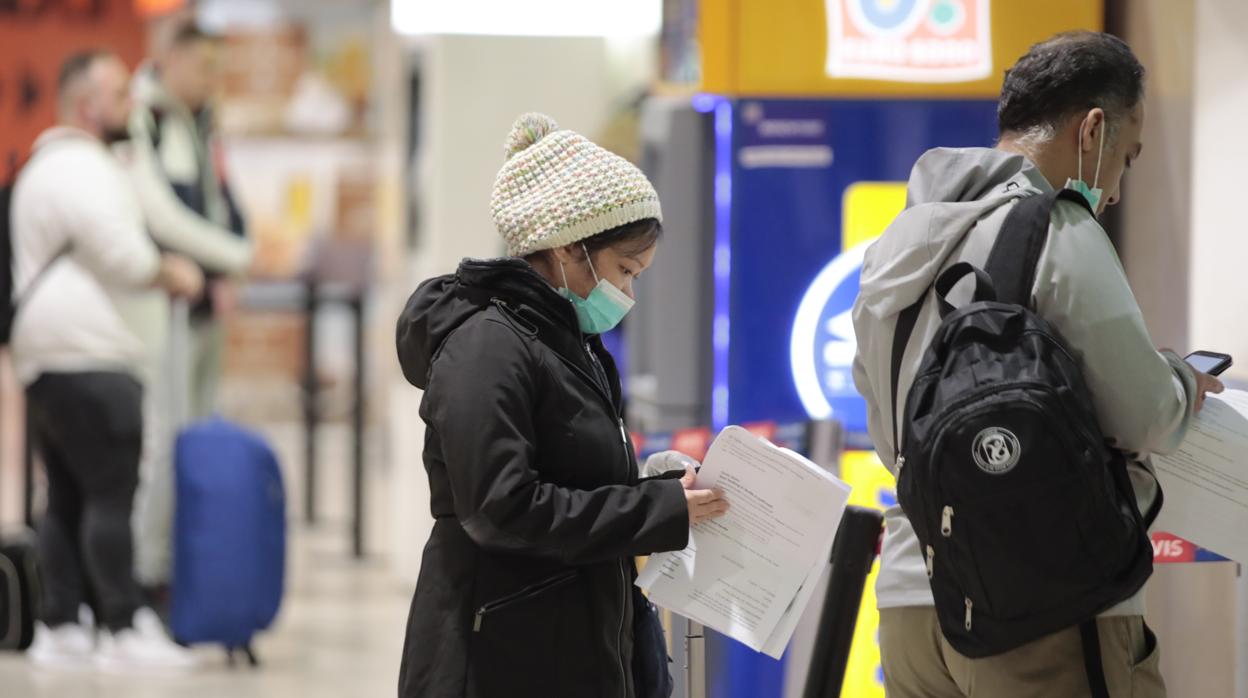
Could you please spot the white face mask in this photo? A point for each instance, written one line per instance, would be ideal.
(1093, 193)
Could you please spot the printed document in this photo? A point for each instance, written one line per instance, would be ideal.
(750, 573)
(1206, 482)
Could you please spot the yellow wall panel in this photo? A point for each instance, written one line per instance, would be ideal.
(780, 47)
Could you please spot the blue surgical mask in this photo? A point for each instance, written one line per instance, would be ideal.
(605, 307)
(1092, 193)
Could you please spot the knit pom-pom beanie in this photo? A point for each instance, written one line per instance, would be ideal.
(557, 188)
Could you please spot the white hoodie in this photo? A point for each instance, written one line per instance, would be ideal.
(957, 200)
(73, 191)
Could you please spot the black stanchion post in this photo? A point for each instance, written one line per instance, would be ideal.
(852, 555)
(311, 304)
(357, 418)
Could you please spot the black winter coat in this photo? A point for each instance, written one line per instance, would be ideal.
(525, 587)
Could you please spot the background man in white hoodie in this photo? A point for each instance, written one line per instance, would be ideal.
(79, 248)
(1071, 109)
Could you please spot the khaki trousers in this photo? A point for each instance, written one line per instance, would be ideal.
(919, 663)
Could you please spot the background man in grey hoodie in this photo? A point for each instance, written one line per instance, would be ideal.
(1070, 114)
(188, 209)
(179, 173)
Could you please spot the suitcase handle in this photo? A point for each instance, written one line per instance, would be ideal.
(853, 553)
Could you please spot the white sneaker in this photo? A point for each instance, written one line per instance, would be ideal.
(66, 647)
(143, 648)
(86, 618)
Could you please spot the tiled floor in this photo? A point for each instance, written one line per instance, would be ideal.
(340, 631)
(339, 635)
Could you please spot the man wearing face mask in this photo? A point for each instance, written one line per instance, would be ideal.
(1071, 116)
(79, 250)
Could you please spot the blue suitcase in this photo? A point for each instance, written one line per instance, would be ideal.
(229, 536)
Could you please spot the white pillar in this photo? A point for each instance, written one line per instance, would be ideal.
(1219, 247)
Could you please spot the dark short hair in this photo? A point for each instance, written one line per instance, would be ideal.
(630, 239)
(189, 33)
(77, 66)
(1067, 74)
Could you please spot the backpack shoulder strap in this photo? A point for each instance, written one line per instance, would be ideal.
(1016, 253)
(155, 117)
(901, 338)
(1011, 268)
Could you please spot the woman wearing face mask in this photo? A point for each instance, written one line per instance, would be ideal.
(526, 585)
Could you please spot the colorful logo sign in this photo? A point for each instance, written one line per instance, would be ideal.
(909, 40)
(822, 346)
(1170, 548)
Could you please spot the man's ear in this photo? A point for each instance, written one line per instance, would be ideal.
(1090, 129)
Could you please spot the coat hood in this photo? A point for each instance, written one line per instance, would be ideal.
(950, 190)
(442, 304)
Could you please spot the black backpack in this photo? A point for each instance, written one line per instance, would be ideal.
(7, 309)
(8, 305)
(1026, 517)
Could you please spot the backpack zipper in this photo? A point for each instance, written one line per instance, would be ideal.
(961, 402)
(947, 511)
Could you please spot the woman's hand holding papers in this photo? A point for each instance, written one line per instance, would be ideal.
(703, 504)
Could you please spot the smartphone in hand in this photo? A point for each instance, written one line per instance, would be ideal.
(1209, 362)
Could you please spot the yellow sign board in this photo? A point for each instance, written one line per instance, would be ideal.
(876, 48)
(869, 208)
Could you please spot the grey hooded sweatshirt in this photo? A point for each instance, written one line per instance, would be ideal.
(956, 202)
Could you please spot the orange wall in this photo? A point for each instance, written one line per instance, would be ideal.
(35, 36)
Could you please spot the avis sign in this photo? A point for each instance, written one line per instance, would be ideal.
(1170, 548)
(929, 41)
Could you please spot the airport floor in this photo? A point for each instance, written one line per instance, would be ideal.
(339, 635)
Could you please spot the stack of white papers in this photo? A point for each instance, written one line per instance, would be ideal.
(1206, 482)
(751, 573)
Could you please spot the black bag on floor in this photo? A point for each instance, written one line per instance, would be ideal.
(19, 592)
(1027, 518)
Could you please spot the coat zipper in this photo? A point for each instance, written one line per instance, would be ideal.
(524, 594)
(619, 637)
(603, 392)
(600, 372)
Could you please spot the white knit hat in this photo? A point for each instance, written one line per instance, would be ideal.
(558, 188)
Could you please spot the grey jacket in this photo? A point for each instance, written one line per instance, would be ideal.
(187, 204)
(956, 202)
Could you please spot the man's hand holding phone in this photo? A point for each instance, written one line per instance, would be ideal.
(1206, 365)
